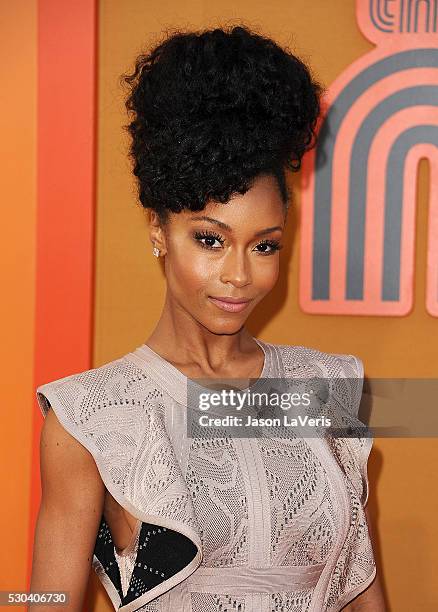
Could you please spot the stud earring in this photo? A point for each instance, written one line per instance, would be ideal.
(156, 251)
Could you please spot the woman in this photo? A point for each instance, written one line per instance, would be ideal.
(207, 524)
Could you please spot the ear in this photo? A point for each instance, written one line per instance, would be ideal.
(156, 232)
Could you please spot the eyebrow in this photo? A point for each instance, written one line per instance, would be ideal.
(225, 226)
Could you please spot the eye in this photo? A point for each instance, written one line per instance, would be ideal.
(210, 238)
(273, 245)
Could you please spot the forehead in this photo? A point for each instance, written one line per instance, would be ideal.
(260, 207)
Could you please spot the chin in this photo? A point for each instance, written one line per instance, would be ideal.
(220, 325)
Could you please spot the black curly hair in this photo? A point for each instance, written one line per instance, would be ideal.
(212, 110)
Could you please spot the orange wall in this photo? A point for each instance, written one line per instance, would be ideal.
(17, 306)
(121, 285)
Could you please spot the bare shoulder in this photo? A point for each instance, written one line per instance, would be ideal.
(68, 470)
(71, 503)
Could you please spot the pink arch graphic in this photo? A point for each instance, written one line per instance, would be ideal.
(372, 295)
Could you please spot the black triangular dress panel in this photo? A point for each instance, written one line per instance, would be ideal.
(161, 553)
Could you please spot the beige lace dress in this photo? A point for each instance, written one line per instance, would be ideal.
(266, 524)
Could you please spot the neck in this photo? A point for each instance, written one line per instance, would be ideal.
(179, 337)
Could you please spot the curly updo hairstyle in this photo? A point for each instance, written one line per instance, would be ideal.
(211, 111)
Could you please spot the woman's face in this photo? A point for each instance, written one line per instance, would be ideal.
(225, 251)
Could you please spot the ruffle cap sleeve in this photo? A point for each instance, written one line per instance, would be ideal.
(346, 396)
(96, 407)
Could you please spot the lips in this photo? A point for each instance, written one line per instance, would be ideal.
(231, 300)
(230, 304)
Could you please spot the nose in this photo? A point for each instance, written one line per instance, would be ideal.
(236, 268)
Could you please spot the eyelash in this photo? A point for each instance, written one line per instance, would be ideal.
(274, 244)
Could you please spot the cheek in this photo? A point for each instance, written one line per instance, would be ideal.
(204, 269)
(190, 270)
(265, 273)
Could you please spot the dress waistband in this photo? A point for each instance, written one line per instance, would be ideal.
(253, 579)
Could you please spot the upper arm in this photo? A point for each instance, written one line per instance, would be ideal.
(69, 515)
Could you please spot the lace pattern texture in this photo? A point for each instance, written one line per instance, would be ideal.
(257, 512)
